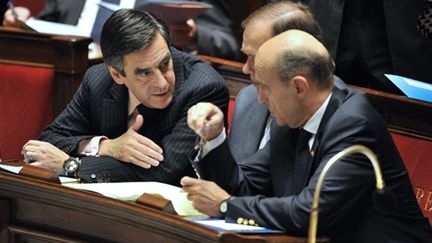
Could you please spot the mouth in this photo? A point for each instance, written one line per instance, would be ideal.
(161, 94)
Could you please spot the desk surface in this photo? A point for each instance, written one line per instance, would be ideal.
(35, 211)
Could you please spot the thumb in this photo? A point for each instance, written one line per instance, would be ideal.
(139, 121)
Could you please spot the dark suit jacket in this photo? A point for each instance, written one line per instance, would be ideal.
(248, 124)
(215, 31)
(100, 107)
(347, 211)
(410, 52)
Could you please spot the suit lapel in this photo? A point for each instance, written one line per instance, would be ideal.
(295, 187)
(335, 101)
(114, 111)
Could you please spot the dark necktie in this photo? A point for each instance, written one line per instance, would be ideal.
(102, 15)
(424, 24)
(303, 160)
(152, 120)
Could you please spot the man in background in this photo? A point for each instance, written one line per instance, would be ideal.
(251, 122)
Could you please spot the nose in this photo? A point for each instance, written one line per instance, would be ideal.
(161, 81)
(261, 96)
(247, 67)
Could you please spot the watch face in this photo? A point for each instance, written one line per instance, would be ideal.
(223, 207)
(71, 166)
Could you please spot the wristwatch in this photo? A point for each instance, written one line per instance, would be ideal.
(223, 206)
(71, 167)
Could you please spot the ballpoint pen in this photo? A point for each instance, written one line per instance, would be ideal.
(12, 8)
(199, 144)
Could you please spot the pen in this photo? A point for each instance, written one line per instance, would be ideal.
(199, 143)
(12, 8)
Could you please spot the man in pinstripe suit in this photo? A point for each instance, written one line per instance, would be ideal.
(127, 121)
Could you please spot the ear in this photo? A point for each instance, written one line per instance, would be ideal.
(118, 78)
(301, 84)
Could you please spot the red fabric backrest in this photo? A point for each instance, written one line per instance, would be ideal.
(417, 155)
(35, 6)
(231, 106)
(26, 96)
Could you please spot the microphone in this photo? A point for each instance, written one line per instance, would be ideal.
(381, 196)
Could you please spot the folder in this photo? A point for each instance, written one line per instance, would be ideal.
(412, 88)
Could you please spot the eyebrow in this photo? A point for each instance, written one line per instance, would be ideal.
(166, 58)
(139, 71)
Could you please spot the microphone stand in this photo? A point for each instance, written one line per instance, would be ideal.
(313, 221)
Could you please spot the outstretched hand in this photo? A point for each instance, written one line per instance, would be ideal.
(133, 147)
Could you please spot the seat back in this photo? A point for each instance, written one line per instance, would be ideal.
(417, 156)
(39, 74)
(26, 96)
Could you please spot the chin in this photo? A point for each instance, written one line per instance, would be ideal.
(162, 102)
(280, 122)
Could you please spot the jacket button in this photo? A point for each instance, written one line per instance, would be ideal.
(239, 220)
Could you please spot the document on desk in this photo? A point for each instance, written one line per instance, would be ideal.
(49, 27)
(221, 225)
(10, 168)
(412, 88)
(131, 191)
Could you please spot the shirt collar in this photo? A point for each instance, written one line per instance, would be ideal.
(313, 123)
(133, 103)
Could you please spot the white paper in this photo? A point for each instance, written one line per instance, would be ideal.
(221, 224)
(49, 27)
(10, 168)
(131, 191)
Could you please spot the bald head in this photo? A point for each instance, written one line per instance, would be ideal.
(296, 52)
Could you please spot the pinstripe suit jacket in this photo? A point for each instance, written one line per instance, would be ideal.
(100, 107)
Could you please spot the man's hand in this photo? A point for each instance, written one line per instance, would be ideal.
(22, 13)
(133, 147)
(44, 155)
(206, 120)
(183, 34)
(205, 195)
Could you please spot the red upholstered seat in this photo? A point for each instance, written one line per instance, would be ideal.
(417, 155)
(26, 96)
(231, 106)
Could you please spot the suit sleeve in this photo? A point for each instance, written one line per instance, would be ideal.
(73, 124)
(249, 178)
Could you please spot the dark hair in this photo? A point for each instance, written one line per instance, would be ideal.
(128, 31)
(317, 67)
(286, 15)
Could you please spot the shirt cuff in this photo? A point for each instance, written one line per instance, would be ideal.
(214, 143)
(90, 147)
